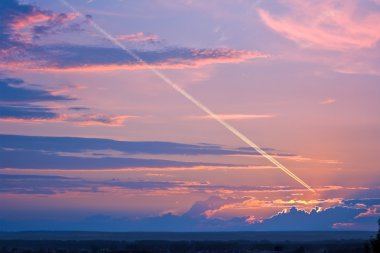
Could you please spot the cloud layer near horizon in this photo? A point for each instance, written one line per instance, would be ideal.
(339, 217)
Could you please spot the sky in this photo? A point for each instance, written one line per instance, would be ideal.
(99, 129)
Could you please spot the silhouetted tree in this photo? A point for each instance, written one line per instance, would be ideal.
(278, 248)
(300, 250)
(375, 243)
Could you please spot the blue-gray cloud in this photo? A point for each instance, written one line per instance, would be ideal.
(79, 108)
(42, 152)
(10, 158)
(47, 184)
(26, 112)
(77, 144)
(12, 92)
(365, 202)
(18, 101)
(65, 56)
(296, 219)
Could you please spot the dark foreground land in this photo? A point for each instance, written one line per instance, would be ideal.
(234, 242)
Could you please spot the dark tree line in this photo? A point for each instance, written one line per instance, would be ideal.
(375, 243)
(162, 246)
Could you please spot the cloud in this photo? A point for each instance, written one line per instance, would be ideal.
(236, 116)
(38, 114)
(76, 144)
(42, 184)
(95, 119)
(26, 112)
(206, 207)
(138, 37)
(327, 101)
(46, 184)
(362, 202)
(46, 160)
(83, 153)
(38, 23)
(328, 24)
(295, 219)
(18, 104)
(371, 212)
(79, 108)
(74, 58)
(21, 23)
(12, 91)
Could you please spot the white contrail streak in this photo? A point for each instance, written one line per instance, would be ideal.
(192, 99)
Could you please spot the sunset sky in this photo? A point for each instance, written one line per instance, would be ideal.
(92, 138)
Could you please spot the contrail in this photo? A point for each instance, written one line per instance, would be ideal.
(192, 99)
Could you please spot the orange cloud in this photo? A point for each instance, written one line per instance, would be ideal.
(267, 206)
(327, 24)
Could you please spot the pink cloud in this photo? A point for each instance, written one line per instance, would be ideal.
(371, 212)
(77, 119)
(327, 24)
(236, 116)
(328, 101)
(346, 225)
(25, 21)
(96, 119)
(199, 58)
(23, 25)
(138, 37)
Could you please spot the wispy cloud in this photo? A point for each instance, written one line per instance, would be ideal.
(236, 116)
(35, 114)
(327, 101)
(138, 37)
(73, 58)
(333, 25)
(88, 153)
(95, 119)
